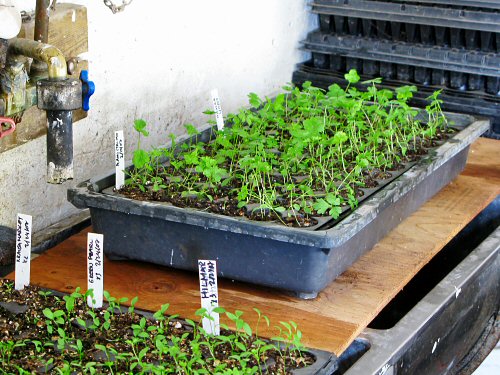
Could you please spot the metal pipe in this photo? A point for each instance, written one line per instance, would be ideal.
(59, 99)
(42, 21)
(50, 55)
(59, 146)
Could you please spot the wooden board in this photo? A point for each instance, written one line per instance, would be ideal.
(343, 309)
(484, 160)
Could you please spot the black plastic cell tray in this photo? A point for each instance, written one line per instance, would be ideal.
(449, 59)
(301, 261)
(473, 103)
(487, 4)
(432, 35)
(403, 72)
(445, 16)
(419, 75)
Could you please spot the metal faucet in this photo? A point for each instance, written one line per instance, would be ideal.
(50, 89)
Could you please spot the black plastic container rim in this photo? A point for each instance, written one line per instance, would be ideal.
(88, 195)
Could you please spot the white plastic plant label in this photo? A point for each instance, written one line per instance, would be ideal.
(119, 159)
(209, 295)
(95, 269)
(23, 251)
(217, 109)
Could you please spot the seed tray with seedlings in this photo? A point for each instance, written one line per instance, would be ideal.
(46, 332)
(275, 196)
(301, 159)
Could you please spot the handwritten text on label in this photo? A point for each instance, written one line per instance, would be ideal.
(217, 109)
(209, 294)
(23, 251)
(119, 159)
(95, 269)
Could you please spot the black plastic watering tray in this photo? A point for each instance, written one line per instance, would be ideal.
(298, 260)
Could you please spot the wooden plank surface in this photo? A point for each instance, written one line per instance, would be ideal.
(344, 308)
(484, 160)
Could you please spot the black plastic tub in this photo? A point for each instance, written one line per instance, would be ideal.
(300, 261)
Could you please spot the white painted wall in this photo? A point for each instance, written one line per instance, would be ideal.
(158, 60)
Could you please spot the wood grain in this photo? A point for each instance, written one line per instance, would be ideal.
(333, 320)
(484, 160)
(68, 29)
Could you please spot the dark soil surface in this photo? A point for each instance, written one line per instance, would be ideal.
(81, 340)
(224, 201)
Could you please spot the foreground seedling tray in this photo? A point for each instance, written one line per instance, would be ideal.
(80, 334)
(299, 260)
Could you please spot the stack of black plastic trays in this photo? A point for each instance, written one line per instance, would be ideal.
(452, 45)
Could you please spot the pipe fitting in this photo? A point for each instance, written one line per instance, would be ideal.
(52, 56)
(59, 98)
(62, 95)
(59, 146)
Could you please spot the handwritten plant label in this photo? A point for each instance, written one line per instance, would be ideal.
(119, 159)
(217, 109)
(23, 251)
(209, 295)
(95, 269)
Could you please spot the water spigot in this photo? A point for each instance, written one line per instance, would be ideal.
(59, 98)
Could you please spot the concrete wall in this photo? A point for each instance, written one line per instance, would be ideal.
(158, 60)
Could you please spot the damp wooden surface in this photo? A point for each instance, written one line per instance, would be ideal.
(333, 320)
